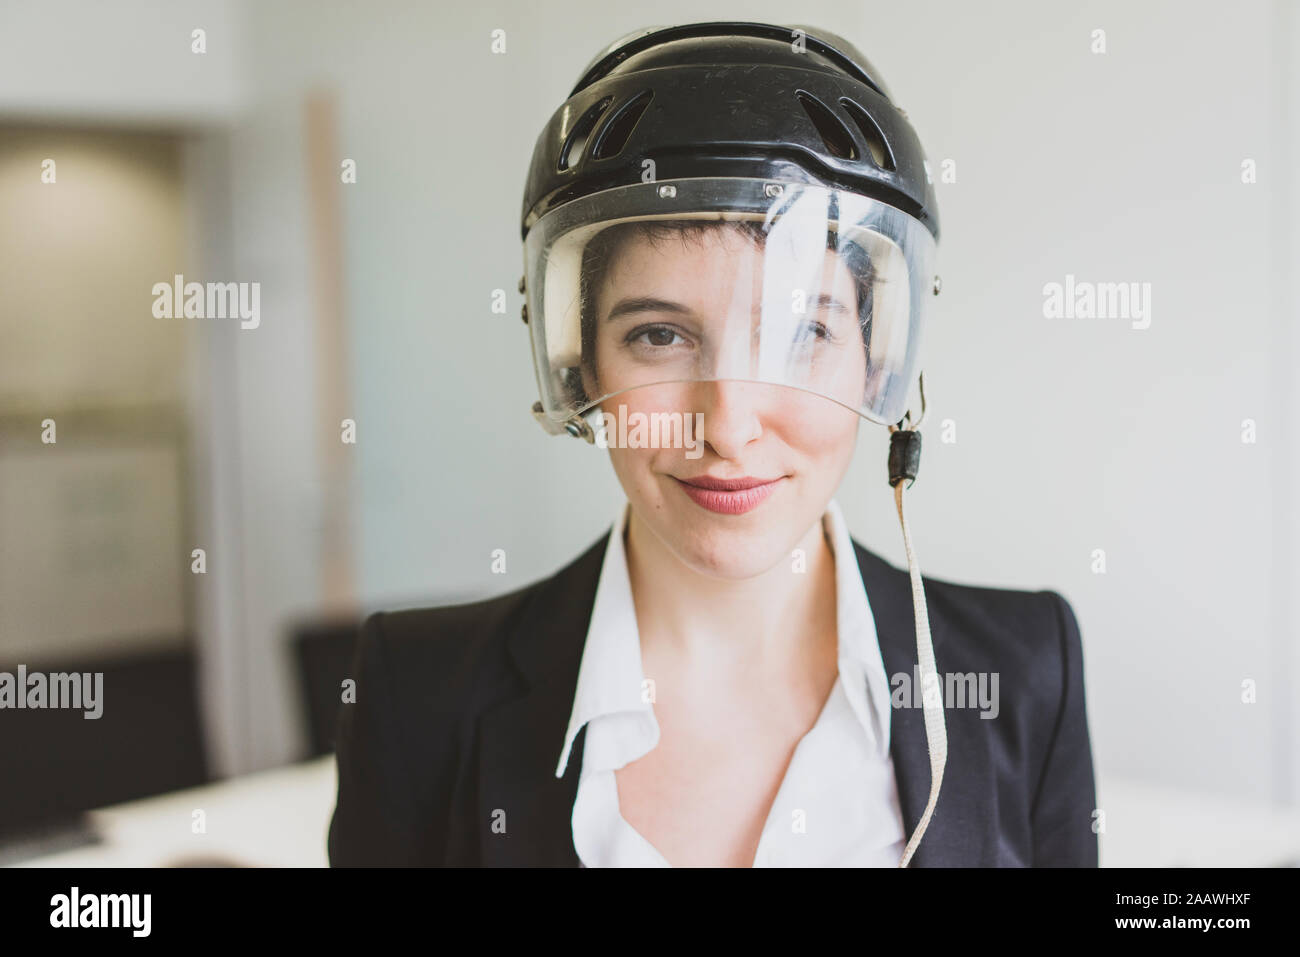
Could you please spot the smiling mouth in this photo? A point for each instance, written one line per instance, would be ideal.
(729, 496)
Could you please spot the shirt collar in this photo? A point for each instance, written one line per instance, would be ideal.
(610, 675)
(859, 645)
(610, 678)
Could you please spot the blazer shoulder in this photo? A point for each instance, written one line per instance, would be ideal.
(1030, 641)
(467, 639)
(1029, 632)
(405, 741)
(1023, 605)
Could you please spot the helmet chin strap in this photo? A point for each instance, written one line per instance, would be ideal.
(904, 461)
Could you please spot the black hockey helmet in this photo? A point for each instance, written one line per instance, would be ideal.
(737, 99)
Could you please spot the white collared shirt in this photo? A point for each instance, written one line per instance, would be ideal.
(841, 777)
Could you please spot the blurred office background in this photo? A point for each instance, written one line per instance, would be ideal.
(1072, 436)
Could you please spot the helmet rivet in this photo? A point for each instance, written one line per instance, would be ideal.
(667, 192)
(938, 284)
(573, 428)
(772, 190)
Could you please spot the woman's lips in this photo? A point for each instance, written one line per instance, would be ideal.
(728, 496)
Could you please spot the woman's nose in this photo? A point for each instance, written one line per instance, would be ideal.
(731, 415)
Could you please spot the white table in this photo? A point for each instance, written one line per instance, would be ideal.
(276, 818)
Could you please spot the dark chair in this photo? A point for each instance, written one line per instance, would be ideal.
(57, 763)
(324, 651)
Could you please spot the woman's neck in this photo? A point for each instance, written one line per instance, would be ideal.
(782, 622)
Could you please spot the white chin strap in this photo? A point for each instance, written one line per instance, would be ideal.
(936, 735)
(904, 457)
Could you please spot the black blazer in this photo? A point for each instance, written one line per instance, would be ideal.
(461, 712)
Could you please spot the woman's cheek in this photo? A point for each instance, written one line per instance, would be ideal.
(635, 471)
(819, 429)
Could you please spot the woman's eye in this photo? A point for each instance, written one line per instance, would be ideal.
(812, 330)
(659, 336)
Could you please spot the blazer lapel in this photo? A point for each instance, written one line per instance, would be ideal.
(525, 811)
(960, 832)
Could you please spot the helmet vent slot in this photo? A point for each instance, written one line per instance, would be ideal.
(881, 155)
(836, 136)
(613, 136)
(581, 132)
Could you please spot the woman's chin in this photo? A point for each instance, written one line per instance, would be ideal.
(730, 555)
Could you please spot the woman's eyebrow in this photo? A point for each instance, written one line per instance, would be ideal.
(823, 301)
(633, 304)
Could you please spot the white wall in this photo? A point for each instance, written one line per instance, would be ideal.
(125, 61)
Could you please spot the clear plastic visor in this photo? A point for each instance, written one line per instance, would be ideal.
(709, 279)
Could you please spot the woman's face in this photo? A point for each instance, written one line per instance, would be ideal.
(688, 307)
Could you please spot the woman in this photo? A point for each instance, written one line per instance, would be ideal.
(729, 239)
